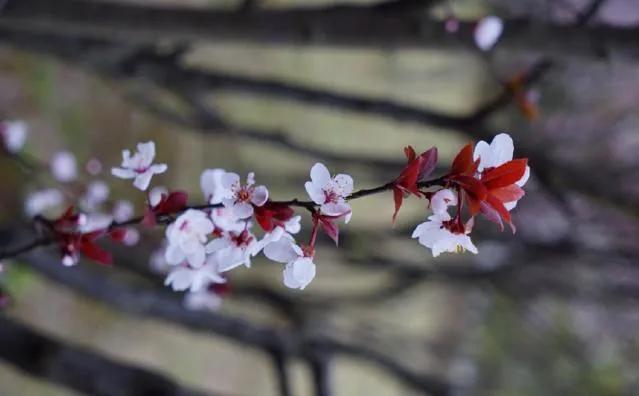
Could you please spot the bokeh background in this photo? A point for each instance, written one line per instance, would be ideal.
(551, 310)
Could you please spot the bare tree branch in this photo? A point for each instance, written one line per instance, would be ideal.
(78, 368)
(143, 301)
(337, 25)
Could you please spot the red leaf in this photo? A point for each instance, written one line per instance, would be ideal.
(491, 214)
(506, 174)
(174, 202)
(409, 151)
(509, 193)
(149, 219)
(398, 196)
(331, 229)
(91, 250)
(118, 234)
(272, 214)
(472, 186)
(463, 161)
(503, 212)
(428, 163)
(408, 178)
(474, 204)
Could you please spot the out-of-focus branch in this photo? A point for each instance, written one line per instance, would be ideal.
(78, 368)
(342, 25)
(321, 367)
(147, 302)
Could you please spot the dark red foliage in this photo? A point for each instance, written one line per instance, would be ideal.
(416, 170)
(272, 214)
(496, 186)
(169, 204)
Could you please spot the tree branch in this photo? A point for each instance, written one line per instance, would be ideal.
(336, 25)
(143, 301)
(79, 368)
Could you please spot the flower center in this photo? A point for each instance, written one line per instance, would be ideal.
(244, 194)
(242, 239)
(331, 196)
(455, 227)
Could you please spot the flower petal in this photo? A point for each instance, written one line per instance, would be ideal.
(320, 175)
(260, 196)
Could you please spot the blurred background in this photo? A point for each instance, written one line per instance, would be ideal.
(274, 86)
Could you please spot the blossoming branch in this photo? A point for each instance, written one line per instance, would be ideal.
(240, 220)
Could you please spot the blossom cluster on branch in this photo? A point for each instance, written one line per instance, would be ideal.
(239, 219)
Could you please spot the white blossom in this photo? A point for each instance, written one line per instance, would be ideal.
(140, 166)
(487, 32)
(156, 193)
(441, 236)
(186, 237)
(441, 200)
(330, 192)
(299, 270)
(225, 221)
(497, 153)
(185, 277)
(123, 210)
(211, 184)
(202, 300)
(131, 236)
(97, 193)
(90, 222)
(64, 167)
(41, 201)
(234, 249)
(14, 135)
(242, 197)
(157, 260)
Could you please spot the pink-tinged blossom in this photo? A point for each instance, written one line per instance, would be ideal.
(94, 222)
(186, 238)
(299, 270)
(498, 152)
(123, 210)
(157, 260)
(93, 167)
(225, 221)
(96, 194)
(441, 200)
(13, 135)
(39, 202)
(441, 234)
(330, 192)
(185, 277)
(234, 249)
(202, 300)
(64, 167)
(487, 32)
(211, 185)
(240, 197)
(140, 166)
(156, 193)
(131, 236)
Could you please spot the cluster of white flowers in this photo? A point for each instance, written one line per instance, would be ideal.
(204, 243)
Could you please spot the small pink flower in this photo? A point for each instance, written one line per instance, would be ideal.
(330, 192)
(140, 166)
(240, 197)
